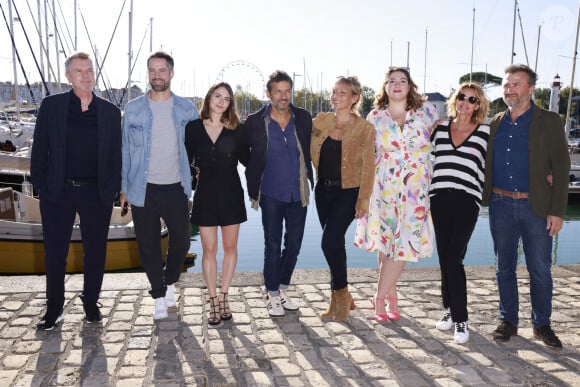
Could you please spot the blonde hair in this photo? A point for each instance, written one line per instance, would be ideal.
(355, 88)
(480, 114)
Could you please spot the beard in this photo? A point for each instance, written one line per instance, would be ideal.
(163, 86)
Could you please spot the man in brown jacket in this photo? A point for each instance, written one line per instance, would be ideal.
(526, 188)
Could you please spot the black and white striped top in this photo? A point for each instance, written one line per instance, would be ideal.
(460, 167)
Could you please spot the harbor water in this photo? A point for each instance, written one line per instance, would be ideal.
(480, 251)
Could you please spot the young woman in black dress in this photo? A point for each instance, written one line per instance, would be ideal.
(214, 148)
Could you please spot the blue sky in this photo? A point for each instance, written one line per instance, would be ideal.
(324, 37)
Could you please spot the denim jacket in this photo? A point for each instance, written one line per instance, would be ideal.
(137, 123)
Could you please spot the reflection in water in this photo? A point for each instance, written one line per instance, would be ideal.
(479, 251)
(573, 210)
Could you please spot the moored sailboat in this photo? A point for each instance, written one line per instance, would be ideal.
(21, 238)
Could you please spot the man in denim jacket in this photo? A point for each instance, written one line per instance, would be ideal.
(156, 179)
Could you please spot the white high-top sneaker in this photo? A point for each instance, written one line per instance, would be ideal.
(160, 309)
(446, 321)
(461, 332)
(170, 296)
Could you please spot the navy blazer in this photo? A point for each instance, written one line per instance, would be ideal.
(47, 164)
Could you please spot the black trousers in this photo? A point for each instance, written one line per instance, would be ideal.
(336, 210)
(170, 203)
(57, 224)
(454, 215)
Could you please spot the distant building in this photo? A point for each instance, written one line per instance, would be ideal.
(439, 101)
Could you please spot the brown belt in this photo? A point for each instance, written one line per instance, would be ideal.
(510, 194)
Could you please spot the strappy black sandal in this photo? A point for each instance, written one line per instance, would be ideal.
(213, 318)
(224, 307)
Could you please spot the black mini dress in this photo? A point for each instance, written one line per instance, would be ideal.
(219, 197)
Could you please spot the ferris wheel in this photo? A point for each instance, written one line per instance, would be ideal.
(243, 76)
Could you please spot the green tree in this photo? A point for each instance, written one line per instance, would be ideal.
(496, 106)
(247, 103)
(564, 95)
(313, 102)
(368, 98)
(481, 77)
(542, 97)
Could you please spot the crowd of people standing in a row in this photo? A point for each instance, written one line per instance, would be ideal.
(378, 171)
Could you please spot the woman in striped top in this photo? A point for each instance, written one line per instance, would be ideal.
(460, 146)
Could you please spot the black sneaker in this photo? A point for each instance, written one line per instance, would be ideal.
(51, 318)
(92, 312)
(547, 335)
(505, 331)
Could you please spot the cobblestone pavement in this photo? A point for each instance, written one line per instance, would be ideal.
(129, 349)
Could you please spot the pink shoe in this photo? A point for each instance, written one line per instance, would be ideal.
(379, 317)
(392, 312)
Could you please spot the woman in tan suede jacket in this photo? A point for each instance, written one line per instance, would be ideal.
(342, 149)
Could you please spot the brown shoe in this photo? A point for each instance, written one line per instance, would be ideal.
(505, 331)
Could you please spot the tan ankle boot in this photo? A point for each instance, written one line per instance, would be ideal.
(344, 304)
(331, 310)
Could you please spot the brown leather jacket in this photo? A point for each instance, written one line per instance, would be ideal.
(358, 154)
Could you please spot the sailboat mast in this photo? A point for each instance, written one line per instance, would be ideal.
(538, 47)
(569, 109)
(130, 52)
(514, 32)
(40, 48)
(472, 43)
(56, 49)
(15, 84)
(76, 41)
(425, 65)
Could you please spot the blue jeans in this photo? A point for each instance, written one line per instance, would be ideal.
(510, 219)
(279, 264)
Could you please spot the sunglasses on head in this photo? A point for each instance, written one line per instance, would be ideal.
(471, 99)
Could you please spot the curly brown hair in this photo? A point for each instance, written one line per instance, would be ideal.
(414, 99)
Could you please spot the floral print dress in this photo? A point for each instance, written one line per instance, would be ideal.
(398, 222)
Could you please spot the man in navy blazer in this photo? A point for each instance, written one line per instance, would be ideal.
(76, 168)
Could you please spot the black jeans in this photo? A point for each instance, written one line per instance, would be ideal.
(170, 203)
(57, 224)
(454, 215)
(336, 208)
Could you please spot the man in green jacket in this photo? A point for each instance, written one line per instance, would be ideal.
(526, 188)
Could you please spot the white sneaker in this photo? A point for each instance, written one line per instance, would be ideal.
(461, 332)
(287, 302)
(446, 321)
(274, 306)
(160, 309)
(170, 296)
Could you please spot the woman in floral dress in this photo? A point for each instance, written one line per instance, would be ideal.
(398, 224)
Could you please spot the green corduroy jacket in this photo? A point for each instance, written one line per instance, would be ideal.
(548, 155)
